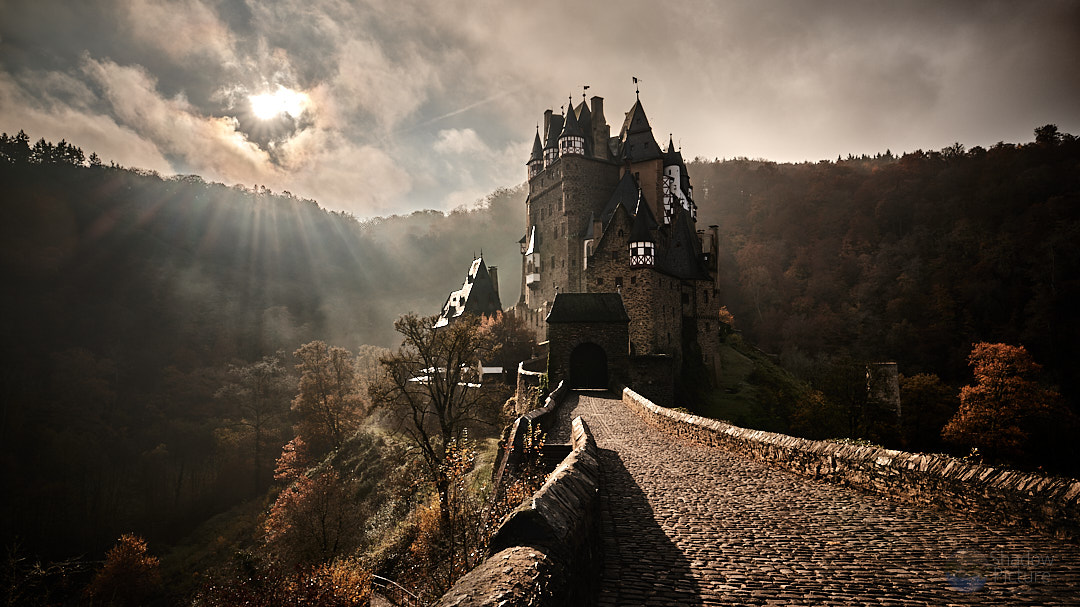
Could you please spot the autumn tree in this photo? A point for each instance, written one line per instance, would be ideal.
(431, 384)
(313, 519)
(511, 340)
(329, 402)
(129, 576)
(996, 412)
(258, 391)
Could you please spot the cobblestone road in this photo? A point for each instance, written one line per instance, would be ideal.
(684, 524)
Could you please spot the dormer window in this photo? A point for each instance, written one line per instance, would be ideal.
(535, 167)
(642, 254)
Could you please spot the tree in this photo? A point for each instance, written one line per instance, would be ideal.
(258, 392)
(512, 340)
(1048, 135)
(431, 382)
(329, 402)
(926, 405)
(995, 413)
(313, 519)
(129, 576)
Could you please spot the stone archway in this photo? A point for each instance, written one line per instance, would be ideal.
(588, 367)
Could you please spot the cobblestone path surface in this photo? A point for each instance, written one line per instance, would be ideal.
(684, 524)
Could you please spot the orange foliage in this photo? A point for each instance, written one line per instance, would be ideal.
(129, 576)
(995, 412)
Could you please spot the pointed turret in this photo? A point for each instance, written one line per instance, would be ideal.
(636, 136)
(572, 139)
(536, 159)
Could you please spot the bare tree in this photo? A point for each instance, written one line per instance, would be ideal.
(431, 383)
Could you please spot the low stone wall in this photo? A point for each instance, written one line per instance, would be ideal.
(511, 446)
(546, 552)
(1051, 504)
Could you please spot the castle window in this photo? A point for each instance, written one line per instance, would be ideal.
(614, 256)
(599, 281)
(633, 280)
(618, 282)
(642, 254)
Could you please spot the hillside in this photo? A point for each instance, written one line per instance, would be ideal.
(131, 299)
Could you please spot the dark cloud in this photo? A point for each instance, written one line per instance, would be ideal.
(428, 104)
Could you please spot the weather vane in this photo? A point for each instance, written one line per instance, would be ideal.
(637, 90)
(585, 88)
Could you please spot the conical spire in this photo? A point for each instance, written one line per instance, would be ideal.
(538, 148)
(570, 127)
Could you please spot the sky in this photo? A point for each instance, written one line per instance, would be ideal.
(389, 106)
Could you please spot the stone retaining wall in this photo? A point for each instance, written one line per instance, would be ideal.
(546, 552)
(1051, 504)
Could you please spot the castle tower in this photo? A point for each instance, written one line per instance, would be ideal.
(614, 216)
(572, 139)
(536, 159)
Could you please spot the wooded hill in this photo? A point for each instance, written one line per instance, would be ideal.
(128, 295)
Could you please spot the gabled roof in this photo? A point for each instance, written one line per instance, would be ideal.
(476, 296)
(627, 193)
(588, 307)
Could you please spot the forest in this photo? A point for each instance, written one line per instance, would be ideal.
(138, 309)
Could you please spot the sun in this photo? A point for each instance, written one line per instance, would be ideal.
(282, 101)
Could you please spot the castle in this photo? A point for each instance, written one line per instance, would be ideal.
(611, 247)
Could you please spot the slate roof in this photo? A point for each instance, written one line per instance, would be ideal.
(626, 194)
(636, 136)
(570, 126)
(588, 307)
(476, 296)
(644, 224)
(554, 128)
(538, 148)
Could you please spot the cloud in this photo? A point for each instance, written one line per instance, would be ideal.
(42, 117)
(211, 146)
(182, 29)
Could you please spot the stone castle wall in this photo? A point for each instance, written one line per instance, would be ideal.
(1051, 504)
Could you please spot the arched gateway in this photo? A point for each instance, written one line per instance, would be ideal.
(588, 340)
(588, 367)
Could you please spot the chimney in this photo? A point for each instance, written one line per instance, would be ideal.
(598, 110)
(493, 272)
(547, 126)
